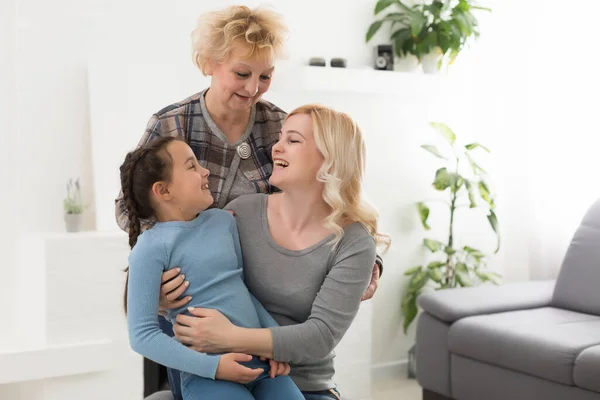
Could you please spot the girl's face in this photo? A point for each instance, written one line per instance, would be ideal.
(238, 83)
(296, 159)
(188, 188)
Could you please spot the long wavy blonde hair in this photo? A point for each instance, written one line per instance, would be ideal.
(260, 31)
(341, 143)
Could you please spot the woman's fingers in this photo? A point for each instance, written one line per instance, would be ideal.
(182, 330)
(179, 303)
(175, 294)
(171, 285)
(170, 274)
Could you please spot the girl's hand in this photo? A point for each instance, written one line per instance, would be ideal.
(277, 368)
(206, 330)
(172, 287)
(230, 369)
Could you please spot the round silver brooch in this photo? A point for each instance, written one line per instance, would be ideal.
(244, 151)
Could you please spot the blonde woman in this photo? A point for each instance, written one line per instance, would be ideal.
(307, 252)
(229, 127)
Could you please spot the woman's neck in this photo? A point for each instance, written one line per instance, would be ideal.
(223, 116)
(298, 210)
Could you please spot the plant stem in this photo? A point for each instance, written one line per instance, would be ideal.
(449, 267)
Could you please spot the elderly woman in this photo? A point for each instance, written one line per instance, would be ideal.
(229, 127)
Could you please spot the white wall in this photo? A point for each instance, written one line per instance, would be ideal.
(52, 109)
(563, 111)
(9, 199)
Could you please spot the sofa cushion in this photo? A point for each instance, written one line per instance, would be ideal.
(577, 283)
(586, 372)
(542, 342)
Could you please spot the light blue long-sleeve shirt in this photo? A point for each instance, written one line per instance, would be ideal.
(207, 249)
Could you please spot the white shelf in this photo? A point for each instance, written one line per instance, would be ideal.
(299, 78)
(55, 361)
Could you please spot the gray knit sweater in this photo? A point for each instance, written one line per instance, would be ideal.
(314, 294)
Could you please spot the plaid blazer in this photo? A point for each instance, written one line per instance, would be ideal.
(186, 119)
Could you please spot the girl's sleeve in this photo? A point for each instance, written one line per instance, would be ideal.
(146, 264)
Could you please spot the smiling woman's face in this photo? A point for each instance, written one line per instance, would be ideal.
(237, 82)
(296, 159)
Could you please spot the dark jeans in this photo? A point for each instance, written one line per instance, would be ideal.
(175, 375)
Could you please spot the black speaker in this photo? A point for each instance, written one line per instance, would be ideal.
(384, 57)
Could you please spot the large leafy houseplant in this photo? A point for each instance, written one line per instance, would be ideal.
(445, 26)
(465, 183)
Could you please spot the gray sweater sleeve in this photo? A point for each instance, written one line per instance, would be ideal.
(335, 306)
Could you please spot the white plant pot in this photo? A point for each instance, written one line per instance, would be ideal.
(73, 222)
(430, 62)
(406, 63)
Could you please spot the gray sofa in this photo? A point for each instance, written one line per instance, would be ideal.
(525, 341)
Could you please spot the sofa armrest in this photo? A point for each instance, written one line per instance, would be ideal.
(450, 305)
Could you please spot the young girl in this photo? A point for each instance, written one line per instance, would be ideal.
(164, 180)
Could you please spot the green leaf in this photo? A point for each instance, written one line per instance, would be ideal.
(463, 279)
(474, 166)
(433, 245)
(412, 270)
(444, 131)
(462, 267)
(436, 275)
(484, 191)
(495, 277)
(472, 146)
(471, 191)
(493, 220)
(373, 29)
(458, 181)
(449, 250)
(443, 179)
(433, 150)
(409, 309)
(429, 42)
(382, 5)
(405, 7)
(417, 24)
(482, 276)
(481, 8)
(418, 280)
(423, 214)
(436, 264)
(463, 5)
(399, 38)
(474, 252)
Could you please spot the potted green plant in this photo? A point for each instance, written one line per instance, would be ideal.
(466, 186)
(430, 32)
(73, 206)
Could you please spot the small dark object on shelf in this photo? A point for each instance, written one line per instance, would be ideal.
(384, 59)
(317, 62)
(338, 62)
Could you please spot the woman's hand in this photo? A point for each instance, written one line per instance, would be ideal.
(172, 287)
(230, 369)
(372, 288)
(207, 330)
(277, 367)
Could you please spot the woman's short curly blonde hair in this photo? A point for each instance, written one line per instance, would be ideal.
(260, 30)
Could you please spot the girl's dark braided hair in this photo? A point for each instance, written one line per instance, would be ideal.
(141, 169)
